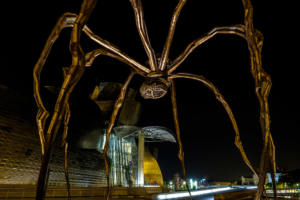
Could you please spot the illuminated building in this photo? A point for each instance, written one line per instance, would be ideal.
(20, 148)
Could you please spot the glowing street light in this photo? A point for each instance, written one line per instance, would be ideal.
(183, 182)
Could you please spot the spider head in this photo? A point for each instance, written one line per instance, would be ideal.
(158, 57)
(154, 88)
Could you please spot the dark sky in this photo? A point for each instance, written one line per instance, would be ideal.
(206, 130)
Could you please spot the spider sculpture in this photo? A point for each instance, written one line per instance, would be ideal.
(159, 75)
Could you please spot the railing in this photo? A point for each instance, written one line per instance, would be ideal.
(30, 192)
(290, 192)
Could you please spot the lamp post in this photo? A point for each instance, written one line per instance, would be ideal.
(191, 183)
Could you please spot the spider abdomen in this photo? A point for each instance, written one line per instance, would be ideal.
(154, 88)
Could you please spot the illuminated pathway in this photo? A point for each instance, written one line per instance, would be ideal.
(202, 194)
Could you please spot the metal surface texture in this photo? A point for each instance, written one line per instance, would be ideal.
(152, 133)
(117, 107)
(158, 75)
(151, 168)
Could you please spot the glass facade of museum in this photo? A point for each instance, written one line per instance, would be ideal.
(124, 160)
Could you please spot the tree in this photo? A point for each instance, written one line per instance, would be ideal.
(269, 185)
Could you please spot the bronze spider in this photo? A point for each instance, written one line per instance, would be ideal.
(159, 75)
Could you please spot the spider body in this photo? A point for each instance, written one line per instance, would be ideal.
(154, 88)
(159, 75)
(157, 82)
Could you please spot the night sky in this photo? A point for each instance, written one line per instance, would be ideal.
(206, 130)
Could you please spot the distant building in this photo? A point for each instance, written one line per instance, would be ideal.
(247, 180)
(282, 169)
(293, 176)
(219, 183)
(207, 178)
(254, 180)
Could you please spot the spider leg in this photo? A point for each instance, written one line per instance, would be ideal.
(175, 114)
(114, 49)
(64, 141)
(219, 96)
(235, 29)
(43, 114)
(165, 53)
(72, 76)
(117, 107)
(142, 29)
(90, 57)
(47, 182)
(272, 165)
(263, 85)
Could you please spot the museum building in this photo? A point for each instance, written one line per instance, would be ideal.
(131, 162)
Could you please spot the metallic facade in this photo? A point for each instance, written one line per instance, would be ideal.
(123, 155)
(151, 169)
(20, 149)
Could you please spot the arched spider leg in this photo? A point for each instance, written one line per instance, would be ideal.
(175, 114)
(142, 29)
(117, 107)
(235, 29)
(72, 76)
(68, 20)
(43, 114)
(219, 96)
(165, 53)
(263, 85)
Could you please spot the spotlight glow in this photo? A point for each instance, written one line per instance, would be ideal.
(185, 194)
(199, 192)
